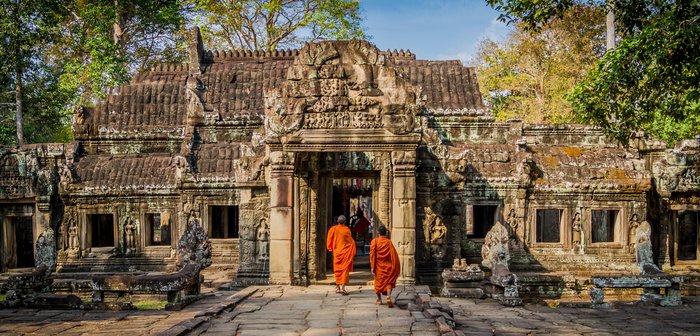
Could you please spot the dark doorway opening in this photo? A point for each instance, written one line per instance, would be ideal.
(224, 221)
(102, 230)
(24, 238)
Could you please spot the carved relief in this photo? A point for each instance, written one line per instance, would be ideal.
(633, 225)
(436, 232)
(255, 236)
(576, 231)
(399, 158)
(335, 84)
(73, 238)
(263, 240)
(129, 235)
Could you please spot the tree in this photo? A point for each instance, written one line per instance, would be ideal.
(106, 41)
(57, 54)
(529, 74)
(271, 24)
(25, 29)
(650, 81)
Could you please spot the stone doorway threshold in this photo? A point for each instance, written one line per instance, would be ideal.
(359, 278)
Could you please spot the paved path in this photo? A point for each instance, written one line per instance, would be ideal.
(480, 317)
(316, 310)
(122, 323)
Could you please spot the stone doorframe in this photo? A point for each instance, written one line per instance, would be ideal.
(402, 200)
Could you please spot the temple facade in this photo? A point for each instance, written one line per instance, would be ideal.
(266, 148)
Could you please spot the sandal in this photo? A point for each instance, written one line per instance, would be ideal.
(379, 302)
(344, 293)
(389, 303)
(337, 290)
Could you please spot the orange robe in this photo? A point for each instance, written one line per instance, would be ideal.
(342, 245)
(385, 264)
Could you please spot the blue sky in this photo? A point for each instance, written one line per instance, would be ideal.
(432, 29)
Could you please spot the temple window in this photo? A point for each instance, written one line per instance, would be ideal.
(158, 229)
(604, 226)
(687, 235)
(223, 221)
(549, 225)
(484, 217)
(101, 230)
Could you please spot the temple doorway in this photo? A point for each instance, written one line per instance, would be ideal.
(25, 241)
(352, 198)
(18, 242)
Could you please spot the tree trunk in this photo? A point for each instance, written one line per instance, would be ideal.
(610, 27)
(18, 106)
(19, 118)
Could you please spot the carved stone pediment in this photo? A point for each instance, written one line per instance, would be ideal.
(341, 85)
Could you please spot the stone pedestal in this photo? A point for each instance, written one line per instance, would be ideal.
(463, 283)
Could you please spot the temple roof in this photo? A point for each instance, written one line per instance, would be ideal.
(233, 85)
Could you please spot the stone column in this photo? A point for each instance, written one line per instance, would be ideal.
(281, 218)
(403, 212)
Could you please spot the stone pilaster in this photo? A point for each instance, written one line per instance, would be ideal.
(281, 218)
(403, 214)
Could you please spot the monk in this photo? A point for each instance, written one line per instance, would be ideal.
(385, 265)
(342, 245)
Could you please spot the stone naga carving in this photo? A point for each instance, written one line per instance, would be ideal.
(46, 251)
(645, 257)
(194, 246)
(495, 249)
(495, 255)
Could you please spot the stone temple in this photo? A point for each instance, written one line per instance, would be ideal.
(266, 148)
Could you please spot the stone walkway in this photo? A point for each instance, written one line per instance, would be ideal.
(316, 310)
(124, 323)
(482, 317)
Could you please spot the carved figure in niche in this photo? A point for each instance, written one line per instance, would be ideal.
(436, 232)
(436, 229)
(129, 234)
(632, 234)
(263, 240)
(73, 238)
(512, 222)
(576, 227)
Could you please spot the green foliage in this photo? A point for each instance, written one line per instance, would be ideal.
(272, 24)
(106, 41)
(528, 75)
(75, 52)
(150, 305)
(650, 81)
(26, 30)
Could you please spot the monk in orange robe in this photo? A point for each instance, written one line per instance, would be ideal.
(342, 245)
(385, 265)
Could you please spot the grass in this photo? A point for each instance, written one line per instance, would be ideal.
(150, 305)
(2, 297)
